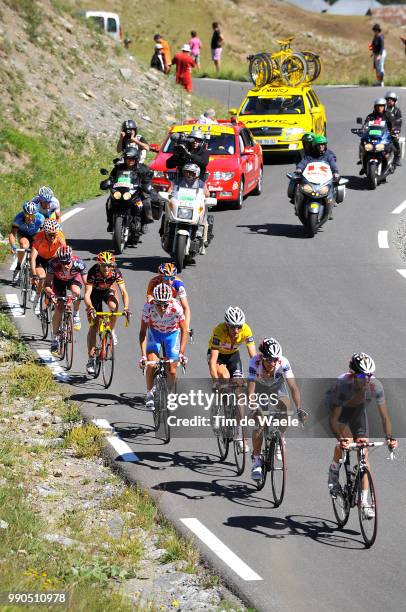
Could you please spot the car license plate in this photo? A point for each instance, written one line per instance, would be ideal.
(266, 141)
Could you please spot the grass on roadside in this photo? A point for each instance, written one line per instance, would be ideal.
(86, 440)
(31, 380)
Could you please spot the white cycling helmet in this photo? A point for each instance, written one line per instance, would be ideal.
(234, 316)
(46, 194)
(162, 293)
(361, 363)
(270, 348)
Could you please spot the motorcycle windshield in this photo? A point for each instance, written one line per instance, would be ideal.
(185, 196)
(124, 180)
(318, 173)
(377, 133)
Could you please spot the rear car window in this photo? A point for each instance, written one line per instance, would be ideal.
(219, 144)
(111, 25)
(98, 21)
(282, 105)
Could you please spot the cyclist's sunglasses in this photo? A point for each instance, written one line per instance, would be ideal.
(364, 376)
(29, 216)
(166, 277)
(270, 359)
(234, 326)
(105, 265)
(162, 304)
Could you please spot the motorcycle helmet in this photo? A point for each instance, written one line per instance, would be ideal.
(308, 138)
(197, 134)
(193, 169)
(131, 153)
(379, 102)
(129, 125)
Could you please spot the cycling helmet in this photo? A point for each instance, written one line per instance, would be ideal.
(162, 293)
(320, 139)
(270, 348)
(29, 208)
(46, 194)
(51, 226)
(361, 363)
(192, 168)
(131, 153)
(392, 95)
(234, 316)
(167, 269)
(129, 125)
(197, 134)
(106, 257)
(308, 137)
(64, 254)
(380, 102)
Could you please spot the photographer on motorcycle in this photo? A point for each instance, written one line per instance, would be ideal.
(396, 115)
(139, 173)
(378, 115)
(129, 137)
(320, 153)
(190, 149)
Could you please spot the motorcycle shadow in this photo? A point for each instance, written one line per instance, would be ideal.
(277, 229)
(357, 183)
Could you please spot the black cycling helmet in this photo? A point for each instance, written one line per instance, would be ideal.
(361, 363)
(129, 125)
(131, 153)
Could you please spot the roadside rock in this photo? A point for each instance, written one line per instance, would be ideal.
(3, 524)
(126, 73)
(60, 539)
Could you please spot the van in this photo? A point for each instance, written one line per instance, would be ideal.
(108, 22)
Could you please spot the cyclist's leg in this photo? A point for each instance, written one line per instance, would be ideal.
(172, 346)
(59, 288)
(75, 287)
(359, 431)
(96, 298)
(257, 434)
(112, 302)
(154, 343)
(24, 243)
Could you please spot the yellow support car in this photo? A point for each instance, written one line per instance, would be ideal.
(278, 116)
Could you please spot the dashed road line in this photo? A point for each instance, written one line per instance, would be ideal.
(402, 273)
(70, 214)
(124, 452)
(383, 239)
(399, 209)
(14, 305)
(50, 361)
(221, 550)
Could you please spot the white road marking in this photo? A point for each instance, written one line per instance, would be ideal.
(383, 239)
(49, 360)
(14, 263)
(221, 550)
(70, 214)
(399, 209)
(122, 449)
(14, 305)
(402, 273)
(103, 424)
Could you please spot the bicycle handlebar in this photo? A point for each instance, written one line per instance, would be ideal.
(355, 445)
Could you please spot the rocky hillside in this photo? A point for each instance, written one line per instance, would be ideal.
(254, 25)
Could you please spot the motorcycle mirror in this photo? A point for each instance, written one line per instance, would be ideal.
(104, 171)
(249, 151)
(210, 201)
(343, 181)
(289, 175)
(359, 120)
(154, 148)
(233, 111)
(164, 195)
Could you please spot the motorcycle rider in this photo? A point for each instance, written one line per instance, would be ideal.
(321, 153)
(140, 173)
(396, 114)
(130, 137)
(378, 115)
(307, 141)
(193, 151)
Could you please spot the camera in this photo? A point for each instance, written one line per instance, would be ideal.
(180, 140)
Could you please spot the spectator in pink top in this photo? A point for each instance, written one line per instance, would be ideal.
(195, 45)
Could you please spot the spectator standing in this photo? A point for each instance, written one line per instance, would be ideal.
(195, 45)
(157, 60)
(216, 45)
(166, 52)
(208, 117)
(379, 54)
(184, 63)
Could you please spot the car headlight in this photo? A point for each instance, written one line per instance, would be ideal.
(324, 190)
(293, 132)
(127, 195)
(159, 174)
(222, 176)
(185, 213)
(117, 195)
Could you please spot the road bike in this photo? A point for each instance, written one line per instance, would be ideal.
(161, 395)
(347, 493)
(273, 460)
(66, 330)
(25, 277)
(104, 357)
(284, 65)
(46, 309)
(227, 427)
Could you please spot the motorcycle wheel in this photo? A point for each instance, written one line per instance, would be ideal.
(311, 225)
(119, 234)
(180, 251)
(373, 176)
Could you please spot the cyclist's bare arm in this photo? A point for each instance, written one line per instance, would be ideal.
(13, 235)
(213, 363)
(252, 351)
(333, 420)
(33, 259)
(49, 279)
(84, 278)
(88, 292)
(385, 418)
(184, 334)
(143, 337)
(294, 389)
(124, 295)
(186, 310)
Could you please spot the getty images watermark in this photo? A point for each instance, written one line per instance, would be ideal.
(202, 400)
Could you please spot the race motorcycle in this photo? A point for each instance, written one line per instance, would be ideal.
(126, 204)
(376, 151)
(314, 186)
(186, 228)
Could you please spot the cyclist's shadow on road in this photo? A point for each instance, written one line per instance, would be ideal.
(315, 528)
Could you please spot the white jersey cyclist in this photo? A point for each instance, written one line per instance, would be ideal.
(257, 372)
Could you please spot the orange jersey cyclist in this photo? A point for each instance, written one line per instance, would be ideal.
(167, 274)
(163, 326)
(101, 283)
(44, 248)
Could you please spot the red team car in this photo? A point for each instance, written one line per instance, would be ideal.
(235, 167)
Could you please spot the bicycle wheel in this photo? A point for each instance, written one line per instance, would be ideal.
(161, 395)
(62, 339)
(222, 432)
(278, 467)
(260, 69)
(69, 337)
(367, 512)
(265, 458)
(239, 453)
(24, 286)
(44, 315)
(313, 64)
(294, 69)
(341, 502)
(107, 359)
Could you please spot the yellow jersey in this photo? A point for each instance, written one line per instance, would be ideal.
(220, 339)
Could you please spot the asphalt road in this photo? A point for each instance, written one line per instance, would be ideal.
(323, 298)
